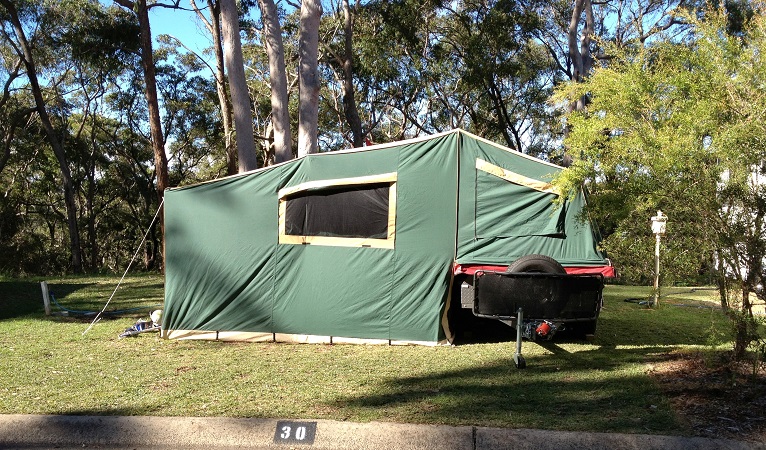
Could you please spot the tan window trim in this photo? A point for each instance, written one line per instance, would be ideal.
(516, 178)
(387, 243)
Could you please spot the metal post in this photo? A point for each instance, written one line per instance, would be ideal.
(517, 358)
(657, 272)
(46, 298)
(659, 223)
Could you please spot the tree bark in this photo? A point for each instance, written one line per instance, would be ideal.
(150, 78)
(280, 114)
(56, 144)
(140, 8)
(224, 101)
(308, 73)
(579, 52)
(235, 66)
(349, 101)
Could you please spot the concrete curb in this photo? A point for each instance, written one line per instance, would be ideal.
(39, 431)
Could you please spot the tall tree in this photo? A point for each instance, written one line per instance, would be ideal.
(235, 66)
(579, 43)
(24, 50)
(141, 10)
(309, 77)
(213, 24)
(347, 62)
(280, 114)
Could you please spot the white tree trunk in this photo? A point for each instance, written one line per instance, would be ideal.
(235, 66)
(214, 27)
(308, 73)
(280, 114)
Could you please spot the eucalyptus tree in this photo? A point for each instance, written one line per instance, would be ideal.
(275, 49)
(72, 44)
(191, 102)
(478, 65)
(213, 24)
(140, 8)
(243, 119)
(494, 73)
(128, 173)
(308, 76)
(13, 114)
(30, 203)
(339, 56)
(389, 68)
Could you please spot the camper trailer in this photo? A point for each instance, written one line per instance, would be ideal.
(378, 244)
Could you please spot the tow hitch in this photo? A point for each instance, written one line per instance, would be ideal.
(537, 305)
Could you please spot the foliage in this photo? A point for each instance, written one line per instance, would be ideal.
(419, 67)
(676, 126)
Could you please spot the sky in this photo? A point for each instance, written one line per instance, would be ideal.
(181, 24)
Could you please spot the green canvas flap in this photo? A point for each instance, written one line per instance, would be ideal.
(506, 209)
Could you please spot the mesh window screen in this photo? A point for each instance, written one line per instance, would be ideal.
(356, 211)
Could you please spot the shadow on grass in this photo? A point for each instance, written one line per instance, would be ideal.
(80, 300)
(21, 298)
(551, 393)
(620, 323)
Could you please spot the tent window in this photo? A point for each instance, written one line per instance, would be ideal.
(340, 212)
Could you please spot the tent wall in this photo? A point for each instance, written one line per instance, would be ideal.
(219, 251)
(501, 220)
(227, 272)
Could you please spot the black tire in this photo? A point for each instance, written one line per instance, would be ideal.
(536, 264)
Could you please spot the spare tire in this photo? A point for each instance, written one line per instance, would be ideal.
(536, 264)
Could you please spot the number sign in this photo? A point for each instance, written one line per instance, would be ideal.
(289, 432)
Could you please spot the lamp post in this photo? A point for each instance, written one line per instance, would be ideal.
(658, 228)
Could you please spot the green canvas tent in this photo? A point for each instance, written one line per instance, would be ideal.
(360, 244)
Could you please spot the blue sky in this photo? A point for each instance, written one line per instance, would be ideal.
(181, 24)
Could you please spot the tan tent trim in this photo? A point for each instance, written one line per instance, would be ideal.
(387, 243)
(516, 178)
(336, 241)
(234, 336)
(238, 336)
(319, 184)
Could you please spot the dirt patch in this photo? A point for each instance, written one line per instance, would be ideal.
(715, 397)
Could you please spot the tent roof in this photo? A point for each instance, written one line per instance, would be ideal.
(374, 147)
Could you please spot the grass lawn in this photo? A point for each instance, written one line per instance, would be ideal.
(49, 367)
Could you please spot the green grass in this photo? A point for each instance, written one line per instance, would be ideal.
(49, 367)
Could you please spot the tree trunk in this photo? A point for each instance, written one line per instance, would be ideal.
(308, 73)
(742, 323)
(349, 102)
(235, 66)
(155, 124)
(58, 148)
(280, 114)
(91, 213)
(224, 101)
(580, 55)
